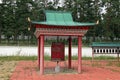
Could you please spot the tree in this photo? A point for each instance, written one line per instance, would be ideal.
(8, 19)
(89, 11)
(1, 20)
(111, 19)
(13, 14)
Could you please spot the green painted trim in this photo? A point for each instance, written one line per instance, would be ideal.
(106, 44)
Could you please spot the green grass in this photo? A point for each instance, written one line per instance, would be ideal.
(47, 57)
(17, 58)
(104, 58)
(109, 64)
(118, 64)
(75, 57)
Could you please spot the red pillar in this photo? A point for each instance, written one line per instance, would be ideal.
(69, 54)
(79, 54)
(41, 54)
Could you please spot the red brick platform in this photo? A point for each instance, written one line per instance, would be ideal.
(27, 70)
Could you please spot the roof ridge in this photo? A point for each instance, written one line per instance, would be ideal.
(57, 11)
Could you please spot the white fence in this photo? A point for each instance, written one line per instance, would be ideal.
(32, 51)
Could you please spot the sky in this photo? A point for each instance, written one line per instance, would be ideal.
(0, 1)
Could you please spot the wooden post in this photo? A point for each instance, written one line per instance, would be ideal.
(39, 52)
(41, 55)
(69, 54)
(79, 54)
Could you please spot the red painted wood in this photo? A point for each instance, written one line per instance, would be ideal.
(69, 54)
(61, 33)
(52, 30)
(60, 30)
(39, 52)
(62, 27)
(58, 51)
(79, 54)
(41, 55)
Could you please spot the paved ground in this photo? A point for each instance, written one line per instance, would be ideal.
(27, 70)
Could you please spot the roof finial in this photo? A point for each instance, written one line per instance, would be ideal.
(97, 22)
(28, 28)
(29, 20)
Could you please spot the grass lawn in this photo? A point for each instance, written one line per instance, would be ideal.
(6, 69)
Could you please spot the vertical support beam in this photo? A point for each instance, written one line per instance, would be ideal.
(79, 54)
(39, 52)
(69, 54)
(41, 55)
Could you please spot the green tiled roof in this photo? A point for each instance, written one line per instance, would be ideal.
(61, 19)
(106, 44)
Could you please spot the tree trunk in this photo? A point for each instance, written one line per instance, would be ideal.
(28, 40)
(22, 38)
(8, 40)
(15, 38)
(94, 39)
(0, 36)
(112, 38)
(31, 39)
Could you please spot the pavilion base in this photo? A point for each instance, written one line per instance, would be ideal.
(50, 68)
(62, 70)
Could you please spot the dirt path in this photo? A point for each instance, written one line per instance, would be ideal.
(27, 70)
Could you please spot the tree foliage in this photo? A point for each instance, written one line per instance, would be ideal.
(13, 14)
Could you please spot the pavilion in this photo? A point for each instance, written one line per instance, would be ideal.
(59, 23)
